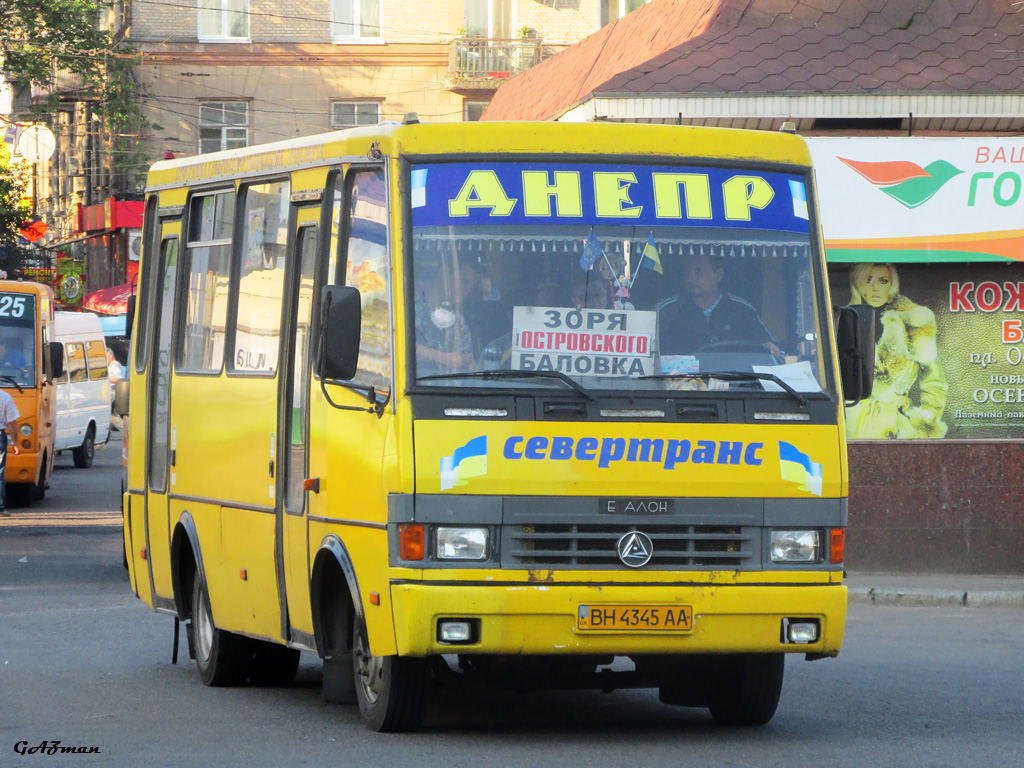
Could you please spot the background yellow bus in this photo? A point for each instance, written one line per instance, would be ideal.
(413, 393)
(27, 373)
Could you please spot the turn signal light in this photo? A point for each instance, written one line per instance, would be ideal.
(411, 542)
(837, 544)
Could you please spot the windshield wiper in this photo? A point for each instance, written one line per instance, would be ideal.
(734, 376)
(504, 374)
(13, 381)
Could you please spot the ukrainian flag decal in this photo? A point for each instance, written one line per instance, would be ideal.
(796, 467)
(469, 461)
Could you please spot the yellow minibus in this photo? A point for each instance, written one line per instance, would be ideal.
(26, 374)
(541, 404)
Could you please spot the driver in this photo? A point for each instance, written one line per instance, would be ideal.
(702, 314)
(10, 354)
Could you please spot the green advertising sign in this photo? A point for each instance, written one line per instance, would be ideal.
(949, 361)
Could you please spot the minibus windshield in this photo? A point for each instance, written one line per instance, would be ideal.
(640, 278)
(17, 340)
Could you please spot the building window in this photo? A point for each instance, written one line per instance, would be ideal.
(223, 19)
(473, 110)
(613, 10)
(223, 125)
(490, 18)
(346, 114)
(356, 20)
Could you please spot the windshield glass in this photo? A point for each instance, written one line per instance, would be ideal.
(17, 340)
(639, 278)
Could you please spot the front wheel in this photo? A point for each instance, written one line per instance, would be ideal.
(747, 692)
(84, 453)
(391, 690)
(223, 658)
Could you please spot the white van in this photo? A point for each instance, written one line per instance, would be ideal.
(83, 393)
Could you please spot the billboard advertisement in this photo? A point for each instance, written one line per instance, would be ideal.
(914, 199)
(949, 360)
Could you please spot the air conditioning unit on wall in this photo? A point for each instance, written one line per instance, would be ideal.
(134, 245)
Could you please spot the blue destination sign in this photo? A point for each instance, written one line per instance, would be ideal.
(447, 194)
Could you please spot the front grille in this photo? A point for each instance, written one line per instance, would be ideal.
(595, 546)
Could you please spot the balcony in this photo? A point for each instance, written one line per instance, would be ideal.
(484, 63)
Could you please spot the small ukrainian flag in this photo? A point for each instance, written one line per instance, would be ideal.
(650, 257)
(798, 468)
(468, 461)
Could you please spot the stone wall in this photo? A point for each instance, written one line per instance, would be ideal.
(952, 507)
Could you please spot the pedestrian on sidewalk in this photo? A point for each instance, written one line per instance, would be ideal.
(9, 416)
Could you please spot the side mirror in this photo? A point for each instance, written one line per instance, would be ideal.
(129, 318)
(855, 341)
(340, 320)
(121, 397)
(56, 360)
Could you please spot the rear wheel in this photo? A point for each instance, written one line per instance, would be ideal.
(223, 658)
(391, 690)
(84, 453)
(747, 692)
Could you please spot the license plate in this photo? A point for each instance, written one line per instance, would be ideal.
(635, 618)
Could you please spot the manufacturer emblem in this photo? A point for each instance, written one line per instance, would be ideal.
(635, 549)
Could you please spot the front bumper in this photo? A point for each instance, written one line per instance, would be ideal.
(541, 618)
(22, 467)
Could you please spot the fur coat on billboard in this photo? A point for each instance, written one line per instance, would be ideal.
(909, 393)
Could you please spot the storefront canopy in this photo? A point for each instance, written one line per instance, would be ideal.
(109, 301)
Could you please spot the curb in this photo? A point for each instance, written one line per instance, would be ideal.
(917, 598)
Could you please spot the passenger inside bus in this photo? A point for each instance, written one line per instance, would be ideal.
(443, 339)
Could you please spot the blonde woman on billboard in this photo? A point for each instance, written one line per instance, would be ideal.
(910, 388)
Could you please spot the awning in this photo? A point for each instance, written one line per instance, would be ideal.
(109, 301)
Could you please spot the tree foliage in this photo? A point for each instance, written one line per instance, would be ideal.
(45, 41)
(14, 209)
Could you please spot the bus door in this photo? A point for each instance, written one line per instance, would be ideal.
(159, 435)
(293, 432)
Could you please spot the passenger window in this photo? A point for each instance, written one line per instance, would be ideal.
(76, 361)
(211, 221)
(97, 360)
(368, 268)
(261, 278)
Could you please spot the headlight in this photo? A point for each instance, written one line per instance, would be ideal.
(25, 430)
(795, 546)
(461, 543)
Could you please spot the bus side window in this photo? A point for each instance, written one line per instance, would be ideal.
(76, 361)
(97, 360)
(368, 268)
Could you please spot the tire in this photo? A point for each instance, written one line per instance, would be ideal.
(39, 489)
(273, 665)
(223, 658)
(391, 690)
(84, 453)
(747, 692)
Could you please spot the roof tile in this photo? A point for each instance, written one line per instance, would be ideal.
(758, 46)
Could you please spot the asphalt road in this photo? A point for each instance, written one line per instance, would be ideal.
(84, 662)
